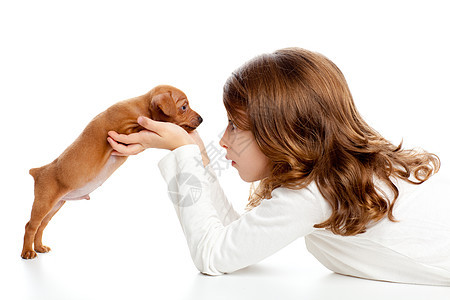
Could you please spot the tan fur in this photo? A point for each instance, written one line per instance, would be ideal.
(87, 162)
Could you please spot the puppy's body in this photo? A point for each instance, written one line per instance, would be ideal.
(87, 162)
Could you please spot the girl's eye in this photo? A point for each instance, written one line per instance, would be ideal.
(232, 126)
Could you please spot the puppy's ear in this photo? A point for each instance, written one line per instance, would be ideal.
(163, 103)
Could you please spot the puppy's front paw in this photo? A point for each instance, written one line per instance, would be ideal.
(42, 249)
(28, 254)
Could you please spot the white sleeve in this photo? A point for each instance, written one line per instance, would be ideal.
(224, 209)
(217, 248)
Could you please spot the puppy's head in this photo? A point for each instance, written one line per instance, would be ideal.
(169, 104)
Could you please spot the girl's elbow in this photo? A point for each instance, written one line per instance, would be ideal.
(209, 273)
(208, 270)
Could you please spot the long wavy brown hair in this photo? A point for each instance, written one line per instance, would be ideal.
(300, 110)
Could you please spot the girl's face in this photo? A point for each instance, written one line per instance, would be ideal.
(245, 154)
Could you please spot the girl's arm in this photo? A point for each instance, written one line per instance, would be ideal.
(223, 207)
(225, 210)
(169, 136)
(220, 247)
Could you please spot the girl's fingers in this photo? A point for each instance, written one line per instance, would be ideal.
(133, 149)
(163, 135)
(125, 138)
(149, 124)
(115, 153)
(124, 150)
(115, 145)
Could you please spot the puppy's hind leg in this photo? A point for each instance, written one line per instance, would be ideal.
(38, 246)
(46, 198)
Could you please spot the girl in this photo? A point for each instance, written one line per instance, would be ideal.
(366, 207)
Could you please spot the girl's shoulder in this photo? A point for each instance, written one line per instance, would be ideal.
(426, 200)
(311, 191)
(307, 199)
(438, 183)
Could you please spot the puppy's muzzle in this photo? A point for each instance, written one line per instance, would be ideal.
(193, 125)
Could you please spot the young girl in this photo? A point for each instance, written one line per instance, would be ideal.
(366, 207)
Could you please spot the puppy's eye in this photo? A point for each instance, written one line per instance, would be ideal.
(184, 107)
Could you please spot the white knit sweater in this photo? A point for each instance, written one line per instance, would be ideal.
(416, 249)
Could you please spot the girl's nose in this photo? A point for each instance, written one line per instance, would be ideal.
(222, 141)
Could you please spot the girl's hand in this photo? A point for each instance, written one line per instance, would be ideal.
(162, 135)
(198, 140)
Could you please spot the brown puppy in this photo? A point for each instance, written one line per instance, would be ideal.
(87, 162)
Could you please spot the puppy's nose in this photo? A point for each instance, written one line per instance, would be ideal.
(200, 120)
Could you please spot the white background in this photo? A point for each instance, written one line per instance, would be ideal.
(62, 63)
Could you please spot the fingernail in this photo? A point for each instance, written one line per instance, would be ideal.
(140, 120)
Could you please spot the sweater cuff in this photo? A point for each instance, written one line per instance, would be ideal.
(186, 151)
(171, 164)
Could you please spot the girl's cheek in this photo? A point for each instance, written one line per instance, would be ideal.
(225, 140)
(232, 138)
